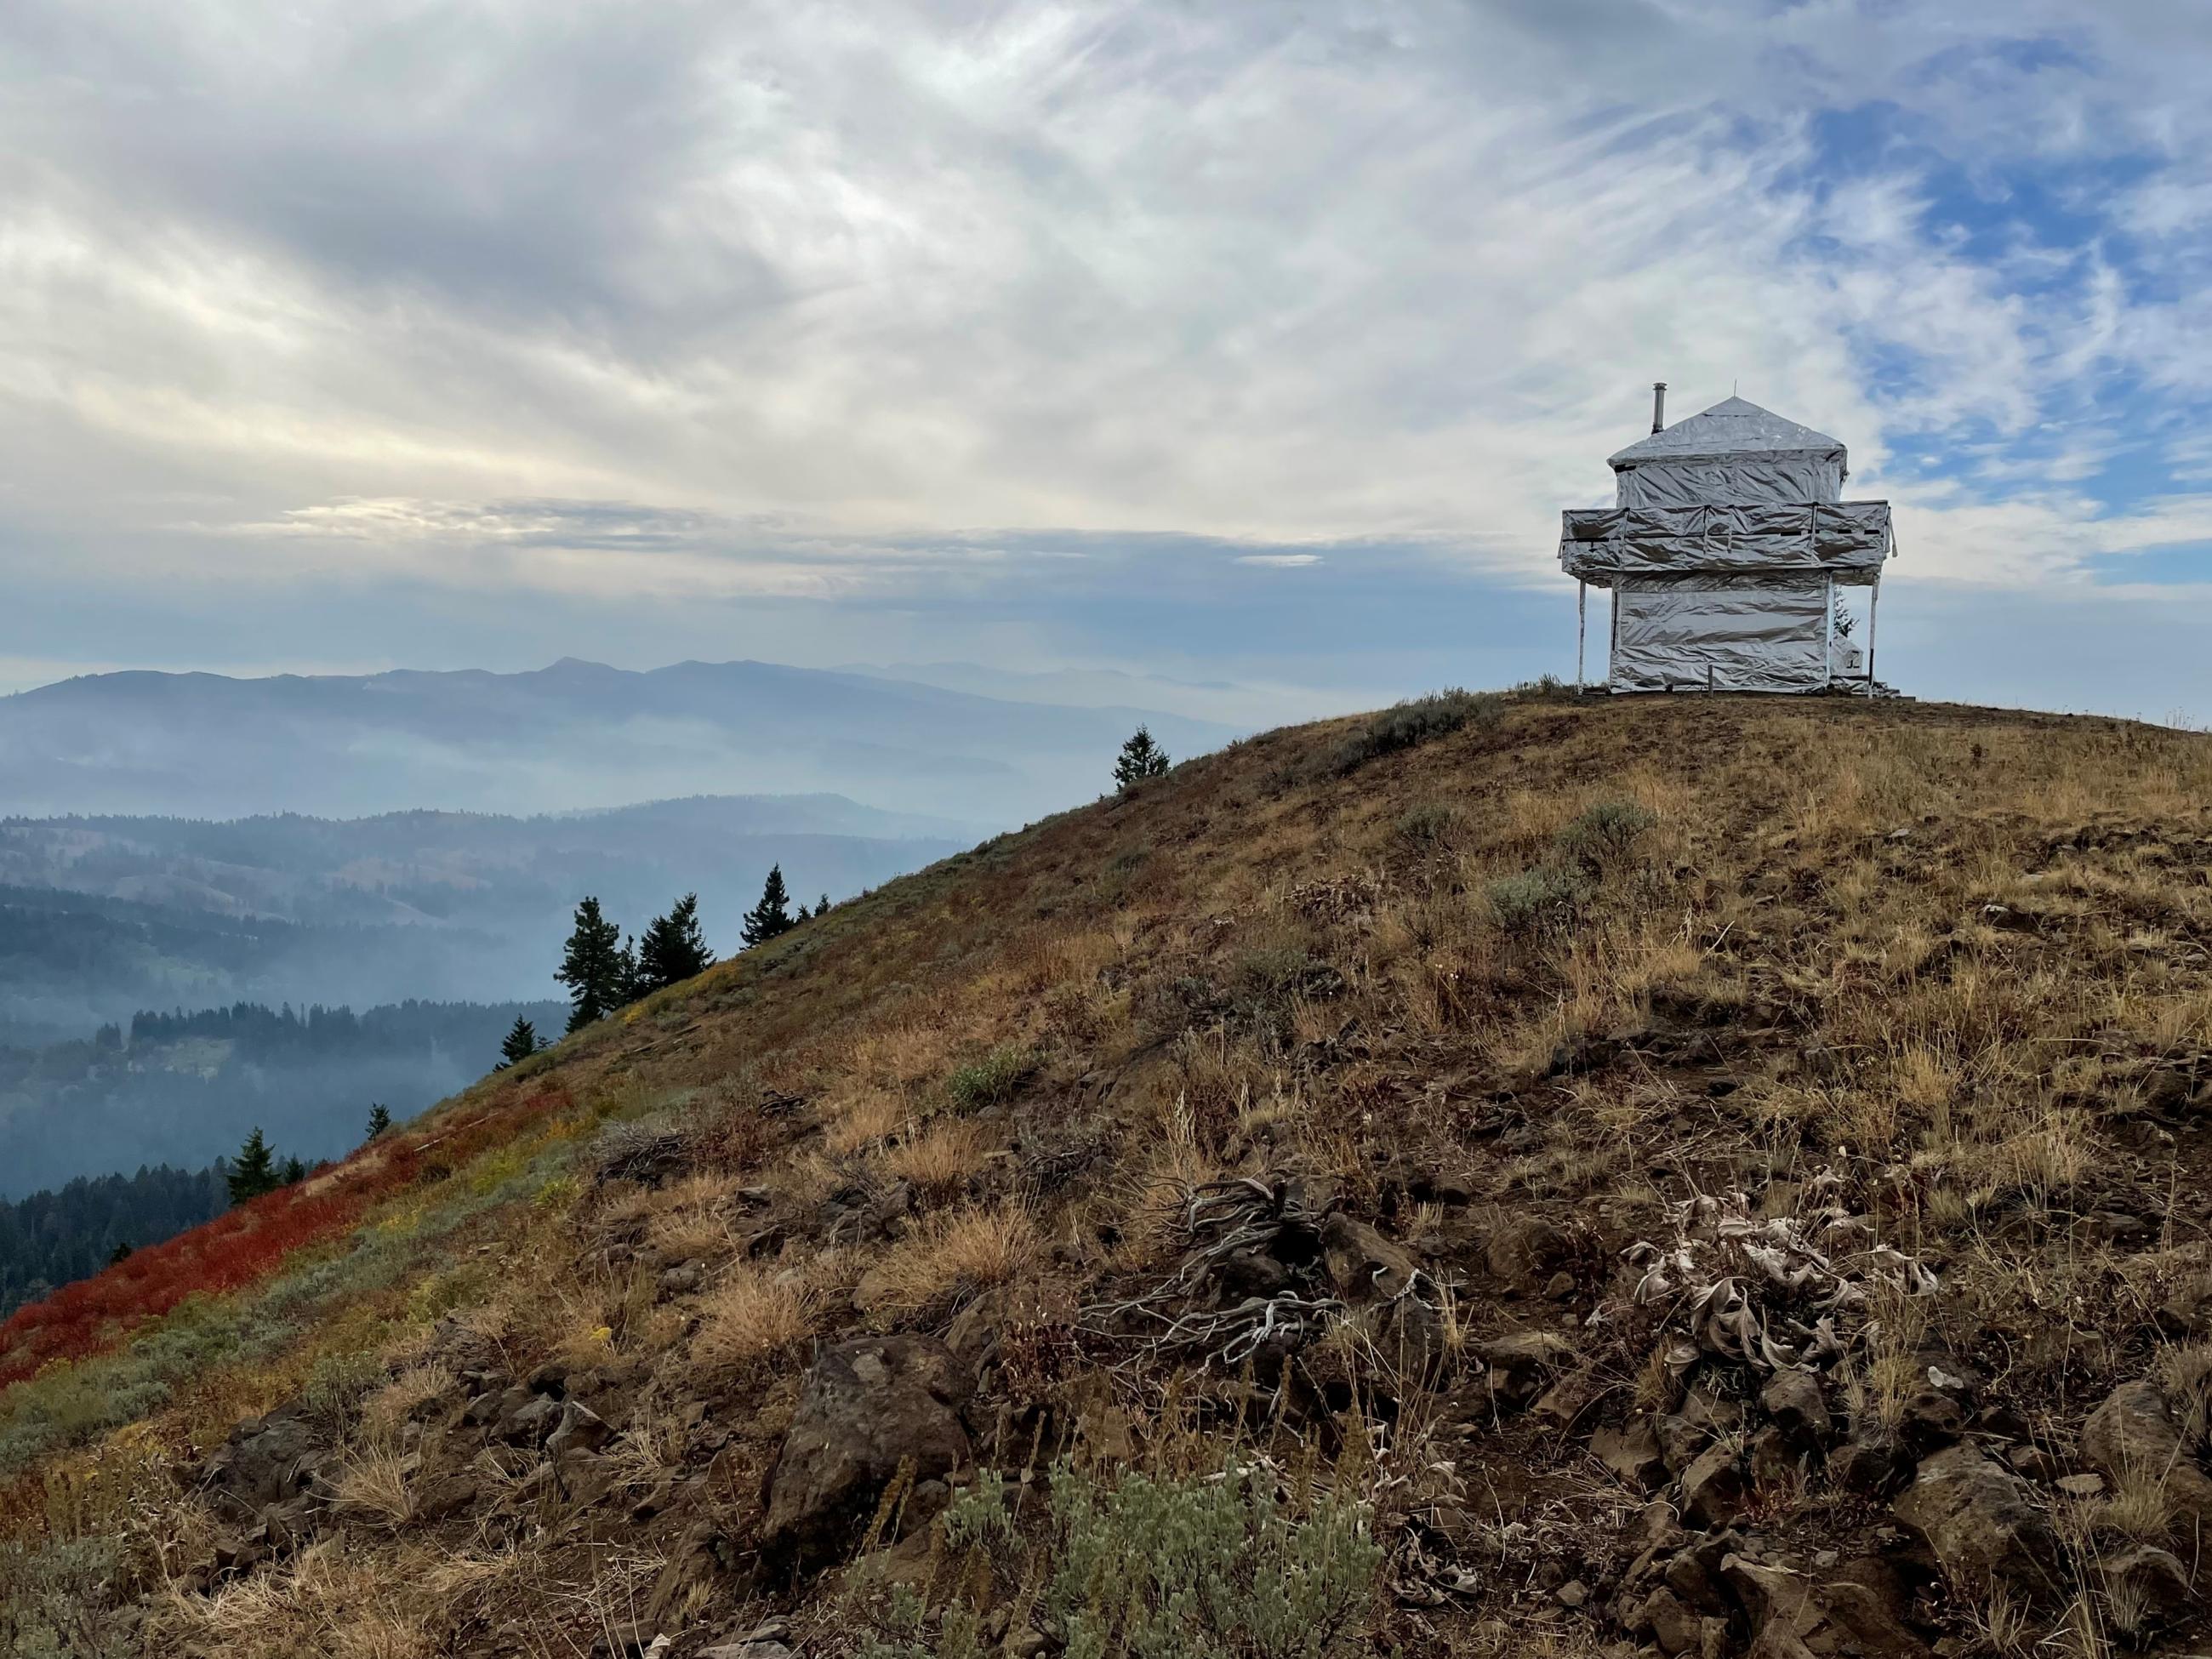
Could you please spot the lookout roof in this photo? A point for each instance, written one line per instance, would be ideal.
(1733, 427)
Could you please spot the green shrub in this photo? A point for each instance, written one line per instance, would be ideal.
(1168, 1567)
(1128, 860)
(1535, 903)
(1545, 688)
(1411, 724)
(340, 1381)
(1270, 977)
(1430, 823)
(1599, 837)
(992, 1079)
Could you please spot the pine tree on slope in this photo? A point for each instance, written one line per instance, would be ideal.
(253, 1171)
(1140, 758)
(594, 968)
(520, 1043)
(673, 948)
(380, 1119)
(772, 915)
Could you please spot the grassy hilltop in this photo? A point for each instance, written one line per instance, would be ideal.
(1506, 1176)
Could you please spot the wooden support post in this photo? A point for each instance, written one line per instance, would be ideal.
(1828, 632)
(1581, 627)
(1612, 633)
(1874, 605)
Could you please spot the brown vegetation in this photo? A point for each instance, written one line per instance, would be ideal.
(1458, 1113)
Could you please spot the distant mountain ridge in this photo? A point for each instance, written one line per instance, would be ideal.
(103, 915)
(549, 739)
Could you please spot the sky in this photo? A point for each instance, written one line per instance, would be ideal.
(1248, 348)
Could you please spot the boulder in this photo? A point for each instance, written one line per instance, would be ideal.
(1672, 1626)
(1363, 1265)
(2134, 1436)
(1521, 1363)
(1931, 1419)
(1680, 1439)
(1875, 1467)
(1526, 1251)
(1380, 1284)
(530, 1421)
(2145, 1588)
(1775, 1457)
(1794, 1615)
(1980, 1522)
(1794, 1404)
(269, 1460)
(1631, 1452)
(444, 1496)
(579, 1429)
(865, 1407)
(1251, 1273)
(1714, 1490)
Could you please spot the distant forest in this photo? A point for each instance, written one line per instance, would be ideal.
(100, 916)
(51, 1238)
(183, 1088)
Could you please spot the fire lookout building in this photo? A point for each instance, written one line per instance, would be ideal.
(1724, 548)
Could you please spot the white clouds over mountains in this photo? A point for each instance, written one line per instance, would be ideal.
(845, 293)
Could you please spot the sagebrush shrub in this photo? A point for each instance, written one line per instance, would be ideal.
(1600, 835)
(1535, 903)
(1428, 824)
(1193, 1566)
(992, 1079)
(1408, 725)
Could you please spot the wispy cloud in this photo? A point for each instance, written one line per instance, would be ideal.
(939, 301)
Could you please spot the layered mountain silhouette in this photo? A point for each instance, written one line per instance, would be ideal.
(571, 735)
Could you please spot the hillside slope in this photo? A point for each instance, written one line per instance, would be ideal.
(1504, 1176)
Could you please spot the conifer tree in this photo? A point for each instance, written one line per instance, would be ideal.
(520, 1043)
(380, 1119)
(1140, 758)
(253, 1171)
(673, 948)
(772, 915)
(120, 1253)
(594, 968)
(293, 1171)
(822, 905)
(802, 914)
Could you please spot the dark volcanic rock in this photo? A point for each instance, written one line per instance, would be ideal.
(268, 1460)
(867, 1406)
(1980, 1521)
(2134, 1433)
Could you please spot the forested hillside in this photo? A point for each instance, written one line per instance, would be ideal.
(48, 1239)
(102, 916)
(185, 1089)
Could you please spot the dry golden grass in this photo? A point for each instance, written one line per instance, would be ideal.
(751, 1318)
(954, 1252)
(939, 1160)
(384, 1413)
(863, 1117)
(1811, 897)
(372, 1484)
(329, 1600)
(687, 1221)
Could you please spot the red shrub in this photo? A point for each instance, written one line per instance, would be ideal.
(245, 1245)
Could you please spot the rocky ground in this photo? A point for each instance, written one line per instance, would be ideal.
(1710, 1176)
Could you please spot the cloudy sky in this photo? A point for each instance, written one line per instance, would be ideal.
(1252, 342)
